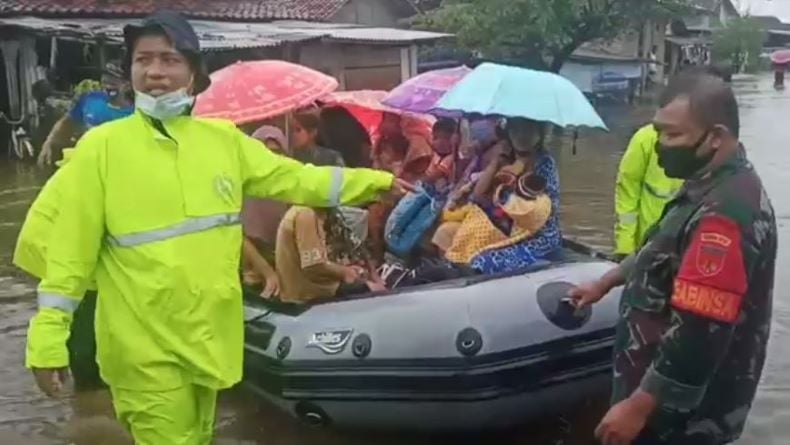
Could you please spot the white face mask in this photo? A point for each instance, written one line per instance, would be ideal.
(164, 107)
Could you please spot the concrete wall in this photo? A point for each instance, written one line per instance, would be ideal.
(368, 12)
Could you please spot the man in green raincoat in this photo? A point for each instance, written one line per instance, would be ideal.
(643, 189)
(150, 209)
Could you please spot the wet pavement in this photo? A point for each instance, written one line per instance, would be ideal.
(27, 417)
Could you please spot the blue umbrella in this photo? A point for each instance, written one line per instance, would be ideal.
(506, 91)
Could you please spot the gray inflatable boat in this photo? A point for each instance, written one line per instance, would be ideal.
(470, 354)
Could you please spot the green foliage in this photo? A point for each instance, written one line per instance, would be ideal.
(541, 33)
(739, 43)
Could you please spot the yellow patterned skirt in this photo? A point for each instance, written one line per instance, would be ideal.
(478, 234)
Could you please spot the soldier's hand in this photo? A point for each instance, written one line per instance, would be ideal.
(587, 294)
(51, 381)
(625, 420)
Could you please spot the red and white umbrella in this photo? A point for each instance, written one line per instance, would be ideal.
(368, 99)
(254, 91)
(367, 107)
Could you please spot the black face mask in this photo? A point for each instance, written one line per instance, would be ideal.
(681, 161)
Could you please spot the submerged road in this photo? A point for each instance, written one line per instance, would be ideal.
(27, 417)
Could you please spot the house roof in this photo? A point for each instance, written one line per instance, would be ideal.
(244, 10)
(427, 5)
(222, 35)
(713, 5)
(771, 23)
(690, 41)
(597, 55)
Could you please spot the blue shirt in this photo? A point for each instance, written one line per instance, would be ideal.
(94, 108)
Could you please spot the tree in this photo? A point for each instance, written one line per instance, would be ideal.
(541, 34)
(739, 43)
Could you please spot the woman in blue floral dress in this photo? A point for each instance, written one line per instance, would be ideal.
(525, 137)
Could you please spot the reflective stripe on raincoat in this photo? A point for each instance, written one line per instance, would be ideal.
(643, 189)
(155, 219)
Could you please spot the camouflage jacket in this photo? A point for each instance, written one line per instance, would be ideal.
(696, 309)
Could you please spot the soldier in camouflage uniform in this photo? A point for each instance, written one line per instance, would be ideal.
(696, 308)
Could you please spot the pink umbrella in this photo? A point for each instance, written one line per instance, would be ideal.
(254, 91)
(421, 93)
(781, 57)
(369, 99)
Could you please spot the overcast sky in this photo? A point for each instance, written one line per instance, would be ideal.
(778, 8)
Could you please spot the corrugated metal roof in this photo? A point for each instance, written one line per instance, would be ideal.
(226, 44)
(384, 35)
(595, 55)
(685, 41)
(215, 35)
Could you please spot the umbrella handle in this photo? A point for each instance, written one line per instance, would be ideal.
(575, 139)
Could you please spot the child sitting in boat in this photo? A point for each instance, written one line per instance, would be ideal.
(525, 138)
(319, 257)
(445, 140)
(521, 155)
(391, 154)
(520, 209)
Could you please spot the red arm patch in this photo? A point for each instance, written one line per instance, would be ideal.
(712, 279)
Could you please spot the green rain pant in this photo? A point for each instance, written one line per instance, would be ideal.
(184, 416)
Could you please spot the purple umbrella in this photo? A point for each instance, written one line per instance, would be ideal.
(421, 93)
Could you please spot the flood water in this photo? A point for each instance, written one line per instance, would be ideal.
(587, 181)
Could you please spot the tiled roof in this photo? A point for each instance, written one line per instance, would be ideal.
(311, 10)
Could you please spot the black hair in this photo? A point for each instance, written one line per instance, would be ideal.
(148, 31)
(711, 100)
(340, 131)
(42, 90)
(193, 59)
(398, 143)
(308, 120)
(445, 125)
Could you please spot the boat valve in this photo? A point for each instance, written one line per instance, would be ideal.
(469, 342)
(284, 348)
(361, 346)
(311, 415)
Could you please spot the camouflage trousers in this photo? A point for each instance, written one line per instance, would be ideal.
(648, 438)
